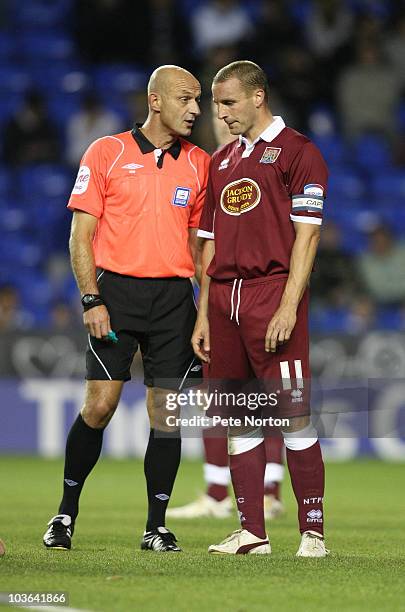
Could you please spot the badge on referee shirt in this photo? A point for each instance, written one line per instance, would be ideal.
(181, 196)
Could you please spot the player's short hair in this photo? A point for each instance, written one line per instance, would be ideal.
(250, 75)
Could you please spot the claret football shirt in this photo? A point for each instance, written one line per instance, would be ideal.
(256, 191)
(145, 200)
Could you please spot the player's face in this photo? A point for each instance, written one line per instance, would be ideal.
(235, 106)
(180, 105)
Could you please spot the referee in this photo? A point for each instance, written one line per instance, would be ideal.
(136, 208)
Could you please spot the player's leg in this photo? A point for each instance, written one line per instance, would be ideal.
(230, 366)
(273, 476)
(83, 448)
(215, 502)
(307, 473)
(288, 370)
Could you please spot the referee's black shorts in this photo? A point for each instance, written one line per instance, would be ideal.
(155, 314)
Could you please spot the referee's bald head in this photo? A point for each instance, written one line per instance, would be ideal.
(164, 77)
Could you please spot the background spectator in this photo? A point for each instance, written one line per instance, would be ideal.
(91, 122)
(382, 268)
(30, 136)
(12, 316)
(369, 94)
(333, 281)
(220, 23)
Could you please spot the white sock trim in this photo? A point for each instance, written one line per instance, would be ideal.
(302, 439)
(242, 444)
(215, 474)
(274, 473)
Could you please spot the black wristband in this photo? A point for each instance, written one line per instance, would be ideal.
(91, 300)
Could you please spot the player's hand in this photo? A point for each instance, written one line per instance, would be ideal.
(280, 328)
(97, 321)
(200, 340)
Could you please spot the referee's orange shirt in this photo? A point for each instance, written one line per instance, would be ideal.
(145, 206)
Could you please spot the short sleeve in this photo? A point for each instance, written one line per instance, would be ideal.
(308, 177)
(88, 193)
(206, 227)
(202, 174)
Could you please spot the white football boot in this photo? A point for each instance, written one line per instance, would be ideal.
(273, 507)
(241, 542)
(312, 545)
(204, 506)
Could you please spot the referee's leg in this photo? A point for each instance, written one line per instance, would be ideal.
(84, 442)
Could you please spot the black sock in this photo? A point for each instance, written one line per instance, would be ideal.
(162, 459)
(83, 447)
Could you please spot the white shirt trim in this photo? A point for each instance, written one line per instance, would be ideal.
(312, 220)
(203, 234)
(269, 134)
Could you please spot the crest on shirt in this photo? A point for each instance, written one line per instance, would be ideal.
(181, 196)
(270, 155)
(82, 180)
(224, 164)
(240, 196)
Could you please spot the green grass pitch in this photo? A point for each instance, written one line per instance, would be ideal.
(106, 570)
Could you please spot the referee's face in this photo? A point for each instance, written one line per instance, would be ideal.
(235, 106)
(180, 105)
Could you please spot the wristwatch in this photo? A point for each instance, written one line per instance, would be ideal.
(90, 300)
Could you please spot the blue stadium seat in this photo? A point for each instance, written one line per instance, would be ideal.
(18, 251)
(332, 148)
(13, 219)
(9, 103)
(46, 46)
(346, 184)
(44, 181)
(6, 183)
(389, 186)
(41, 13)
(390, 319)
(8, 48)
(372, 153)
(65, 77)
(14, 78)
(119, 79)
(61, 108)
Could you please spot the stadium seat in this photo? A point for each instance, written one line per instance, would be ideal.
(8, 48)
(119, 79)
(389, 186)
(46, 46)
(41, 13)
(14, 78)
(5, 183)
(346, 184)
(44, 181)
(9, 103)
(65, 77)
(372, 153)
(332, 148)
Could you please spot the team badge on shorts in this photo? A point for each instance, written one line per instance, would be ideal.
(181, 196)
(270, 155)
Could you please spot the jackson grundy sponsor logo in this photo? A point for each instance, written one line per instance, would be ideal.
(240, 196)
